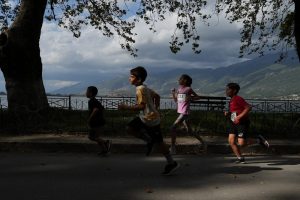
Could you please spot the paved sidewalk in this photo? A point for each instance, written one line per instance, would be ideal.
(186, 145)
(63, 176)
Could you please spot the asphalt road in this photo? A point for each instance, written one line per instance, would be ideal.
(42, 176)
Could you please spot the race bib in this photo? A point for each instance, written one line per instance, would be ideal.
(233, 116)
(181, 98)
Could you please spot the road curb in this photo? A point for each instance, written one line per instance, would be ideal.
(87, 147)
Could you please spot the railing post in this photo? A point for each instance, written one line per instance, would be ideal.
(70, 102)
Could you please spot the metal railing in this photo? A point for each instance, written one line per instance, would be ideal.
(272, 116)
(111, 103)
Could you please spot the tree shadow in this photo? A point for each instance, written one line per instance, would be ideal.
(291, 161)
(277, 161)
(246, 169)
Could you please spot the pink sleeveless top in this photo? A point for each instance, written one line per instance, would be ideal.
(183, 100)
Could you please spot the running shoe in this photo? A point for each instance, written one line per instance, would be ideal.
(170, 168)
(240, 160)
(263, 141)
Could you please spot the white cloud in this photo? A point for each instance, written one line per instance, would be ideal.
(67, 59)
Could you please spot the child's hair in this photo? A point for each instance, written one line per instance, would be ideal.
(234, 86)
(187, 80)
(139, 72)
(93, 90)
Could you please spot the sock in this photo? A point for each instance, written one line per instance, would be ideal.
(169, 158)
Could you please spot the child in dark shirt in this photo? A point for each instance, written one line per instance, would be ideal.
(96, 120)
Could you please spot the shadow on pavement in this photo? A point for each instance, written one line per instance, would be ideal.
(277, 161)
(246, 169)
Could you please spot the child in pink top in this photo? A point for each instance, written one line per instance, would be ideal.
(183, 97)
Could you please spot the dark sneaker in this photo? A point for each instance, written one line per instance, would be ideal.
(240, 160)
(263, 141)
(149, 148)
(170, 168)
(106, 151)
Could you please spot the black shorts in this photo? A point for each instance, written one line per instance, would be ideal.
(240, 130)
(153, 131)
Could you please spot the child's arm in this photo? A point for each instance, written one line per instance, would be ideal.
(156, 99)
(95, 110)
(194, 95)
(174, 95)
(243, 114)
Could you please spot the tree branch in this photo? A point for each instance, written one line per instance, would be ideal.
(296, 26)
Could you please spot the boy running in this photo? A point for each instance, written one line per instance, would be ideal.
(96, 120)
(147, 125)
(239, 123)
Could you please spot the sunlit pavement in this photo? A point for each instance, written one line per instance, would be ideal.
(41, 176)
(75, 143)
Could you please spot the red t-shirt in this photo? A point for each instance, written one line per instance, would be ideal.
(237, 104)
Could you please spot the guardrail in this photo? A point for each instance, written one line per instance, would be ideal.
(267, 116)
(207, 103)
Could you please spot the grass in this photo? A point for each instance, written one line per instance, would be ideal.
(274, 125)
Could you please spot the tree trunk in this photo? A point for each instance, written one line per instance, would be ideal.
(297, 26)
(20, 59)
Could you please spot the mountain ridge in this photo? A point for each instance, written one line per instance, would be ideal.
(259, 78)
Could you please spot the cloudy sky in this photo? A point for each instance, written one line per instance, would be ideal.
(68, 60)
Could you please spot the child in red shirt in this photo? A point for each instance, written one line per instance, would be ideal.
(239, 123)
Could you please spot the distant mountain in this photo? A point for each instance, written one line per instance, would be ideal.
(259, 78)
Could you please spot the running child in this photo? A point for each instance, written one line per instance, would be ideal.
(238, 117)
(96, 120)
(183, 97)
(147, 125)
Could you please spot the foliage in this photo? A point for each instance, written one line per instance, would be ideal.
(267, 24)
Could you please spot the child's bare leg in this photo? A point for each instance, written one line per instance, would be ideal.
(247, 142)
(251, 141)
(163, 148)
(236, 150)
(101, 143)
(95, 136)
(173, 134)
(242, 142)
(189, 130)
(174, 130)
